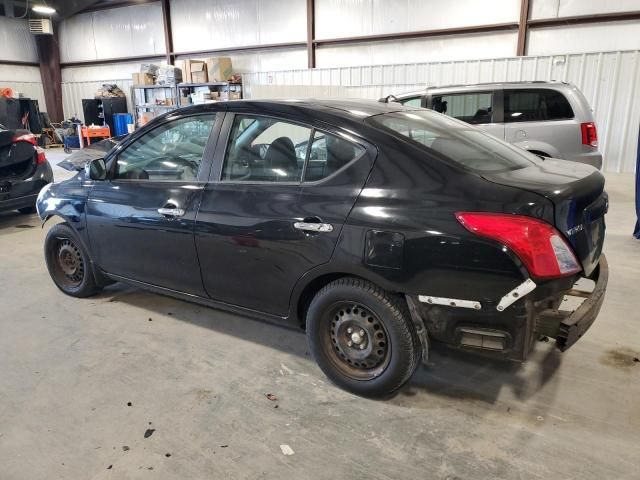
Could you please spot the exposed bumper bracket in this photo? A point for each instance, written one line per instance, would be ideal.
(450, 302)
(517, 293)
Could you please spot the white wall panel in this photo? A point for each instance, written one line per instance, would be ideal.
(343, 18)
(610, 81)
(113, 33)
(214, 24)
(16, 42)
(611, 36)
(24, 80)
(457, 47)
(568, 8)
(83, 82)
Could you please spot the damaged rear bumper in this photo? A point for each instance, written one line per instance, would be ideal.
(509, 330)
(568, 327)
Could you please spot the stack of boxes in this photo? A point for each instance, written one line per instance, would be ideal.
(214, 69)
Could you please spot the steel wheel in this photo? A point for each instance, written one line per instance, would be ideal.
(69, 264)
(356, 341)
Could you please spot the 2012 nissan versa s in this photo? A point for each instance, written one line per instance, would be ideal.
(376, 227)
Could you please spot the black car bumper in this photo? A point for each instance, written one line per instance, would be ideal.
(511, 333)
(568, 327)
(15, 194)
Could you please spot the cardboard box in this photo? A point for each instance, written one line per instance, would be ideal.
(142, 79)
(219, 69)
(182, 65)
(198, 71)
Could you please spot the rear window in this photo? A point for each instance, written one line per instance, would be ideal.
(457, 142)
(535, 105)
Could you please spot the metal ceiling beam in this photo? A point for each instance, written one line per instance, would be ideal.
(495, 27)
(137, 58)
(311, 33)
(168, 33)
(582, 19)
(522, 28)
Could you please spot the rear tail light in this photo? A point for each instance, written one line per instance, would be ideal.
(540, 247)
(40, 156)
(27, 137)
(589, 134)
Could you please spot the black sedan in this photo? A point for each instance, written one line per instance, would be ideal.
(24, 170)
(376, 227)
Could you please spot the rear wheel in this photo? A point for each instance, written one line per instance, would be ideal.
(68, 262)
(362, 337)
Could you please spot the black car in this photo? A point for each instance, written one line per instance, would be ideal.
(24, 170)
(376, 227)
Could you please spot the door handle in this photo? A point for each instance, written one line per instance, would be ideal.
(313, 227)
(171, 212)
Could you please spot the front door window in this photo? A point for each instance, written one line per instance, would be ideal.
(172, 151)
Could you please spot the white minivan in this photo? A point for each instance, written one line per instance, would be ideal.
(550, 119)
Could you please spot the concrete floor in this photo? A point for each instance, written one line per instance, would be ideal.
(82, 381)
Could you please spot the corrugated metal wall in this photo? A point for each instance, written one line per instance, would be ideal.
(609, 80)
(17, 44)
(24, 80)
(83, 82)
(113, 33)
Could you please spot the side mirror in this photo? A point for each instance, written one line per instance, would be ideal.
(97, 169)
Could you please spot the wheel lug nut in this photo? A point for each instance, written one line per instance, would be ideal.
(362, 347)
(362, 333)
(350, 343)
(349, 330)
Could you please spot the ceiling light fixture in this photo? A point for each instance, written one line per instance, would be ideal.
(45, 10)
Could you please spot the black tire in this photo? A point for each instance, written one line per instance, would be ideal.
(362, 337)
(27, 210)
(68, 262)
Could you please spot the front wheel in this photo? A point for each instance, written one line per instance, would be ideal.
(68, 262)
(362, 337)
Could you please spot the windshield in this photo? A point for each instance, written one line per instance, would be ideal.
(458, 142)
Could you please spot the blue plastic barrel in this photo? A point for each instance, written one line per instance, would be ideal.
(120, 121)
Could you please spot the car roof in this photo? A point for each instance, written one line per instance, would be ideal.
(351, 109)
(489, 85)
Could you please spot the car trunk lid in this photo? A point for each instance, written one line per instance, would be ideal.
(580, 202)
(17, 159)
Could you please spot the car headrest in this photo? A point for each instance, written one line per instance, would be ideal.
(281, 155)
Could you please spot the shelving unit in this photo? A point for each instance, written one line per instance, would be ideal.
(153, 99)
(224, 89)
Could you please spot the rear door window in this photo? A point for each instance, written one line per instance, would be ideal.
(265, 149)
(474, 108)
(535, 105)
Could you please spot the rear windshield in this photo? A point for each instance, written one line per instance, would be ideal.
(456, 141)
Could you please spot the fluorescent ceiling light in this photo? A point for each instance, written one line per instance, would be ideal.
(44, 9)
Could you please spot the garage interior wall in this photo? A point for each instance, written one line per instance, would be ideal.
(608, 72)
(18, 45)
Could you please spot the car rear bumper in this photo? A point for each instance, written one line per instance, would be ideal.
(16, 194)
(511, 333)
(568, 327)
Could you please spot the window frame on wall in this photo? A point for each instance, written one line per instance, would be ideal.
(224, 145)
